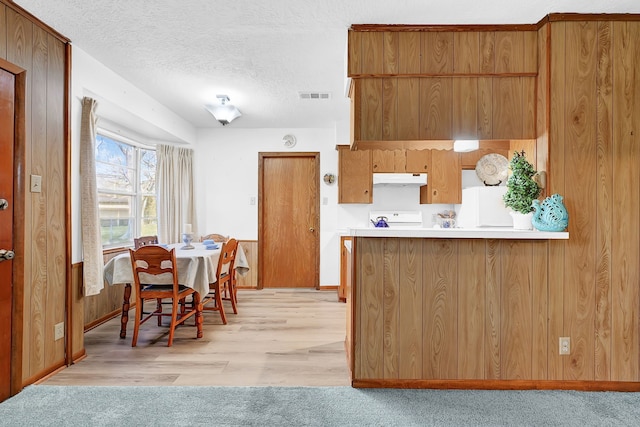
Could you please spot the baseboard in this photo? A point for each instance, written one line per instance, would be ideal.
(626, 386)
(105, 318)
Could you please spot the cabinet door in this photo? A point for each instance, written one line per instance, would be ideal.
(388, 160)
(444, 182)
(417, 161)
(354, 176)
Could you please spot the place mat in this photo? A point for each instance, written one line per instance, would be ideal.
(492, 169)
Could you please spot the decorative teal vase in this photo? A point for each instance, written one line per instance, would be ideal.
(550, 215)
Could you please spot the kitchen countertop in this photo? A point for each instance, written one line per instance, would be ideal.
(458, 233)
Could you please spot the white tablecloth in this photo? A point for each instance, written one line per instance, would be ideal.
(196, 267)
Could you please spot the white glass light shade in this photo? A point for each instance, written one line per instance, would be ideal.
(465, 145)
(225, 113)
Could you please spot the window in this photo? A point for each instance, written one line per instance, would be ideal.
(126, 181)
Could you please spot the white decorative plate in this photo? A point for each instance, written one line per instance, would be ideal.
(492, 169)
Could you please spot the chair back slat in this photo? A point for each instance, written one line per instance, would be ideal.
(227, 257)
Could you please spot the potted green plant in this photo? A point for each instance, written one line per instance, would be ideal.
(522, 190)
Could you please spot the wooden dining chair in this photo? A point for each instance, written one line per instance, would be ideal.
(223, 284)
(141, 241)
(215, 237)
(148, 263)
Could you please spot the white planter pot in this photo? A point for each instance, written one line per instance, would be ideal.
(522, 221)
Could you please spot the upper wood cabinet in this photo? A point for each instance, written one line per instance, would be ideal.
(355, 179)
(442, 85)
(417, 161)
(444, 181)
(443, 108)
(431, 51)
(400, 161)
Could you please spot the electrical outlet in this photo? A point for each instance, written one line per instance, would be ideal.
(59, 331)
(565, 345)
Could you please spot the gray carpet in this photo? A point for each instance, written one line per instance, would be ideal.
(42, 405)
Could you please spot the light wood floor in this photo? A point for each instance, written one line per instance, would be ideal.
(283, 337)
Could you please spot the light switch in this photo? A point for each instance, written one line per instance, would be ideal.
(325, 200)
(252, 200)
(36, 184)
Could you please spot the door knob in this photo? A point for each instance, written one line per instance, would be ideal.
(6, 255)
(3, 204)
(311, 229)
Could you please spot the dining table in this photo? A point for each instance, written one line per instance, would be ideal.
(196, 269)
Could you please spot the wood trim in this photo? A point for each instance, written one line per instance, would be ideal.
(10, 67)
(35, 20)
(40, 376)
(69, 312)
(352, 311)
(105, 318)
(555, 17)
(552, 17)
(447, 74)
(19, 191)
(118, 250)
(500, 385)
(261, 157)
(449, 27)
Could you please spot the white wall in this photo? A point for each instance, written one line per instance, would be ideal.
(233, 153)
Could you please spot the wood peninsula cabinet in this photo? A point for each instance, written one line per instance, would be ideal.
(441, 310)
(355, 179)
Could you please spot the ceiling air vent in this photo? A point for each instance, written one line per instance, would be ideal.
(314, 95)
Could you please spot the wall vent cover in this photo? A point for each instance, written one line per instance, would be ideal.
(314, 95)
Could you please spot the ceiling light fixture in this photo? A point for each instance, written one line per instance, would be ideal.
(224, 112)
(465, 145)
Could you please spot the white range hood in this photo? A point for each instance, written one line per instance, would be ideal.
(399, 179)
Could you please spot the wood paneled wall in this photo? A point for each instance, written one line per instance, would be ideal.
(103, 306)
(31, 46)
(423, 83)
(594, 155)
(500, 317)
(451, 309)
(250, 248)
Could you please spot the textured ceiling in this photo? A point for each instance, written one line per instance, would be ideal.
(260, 54)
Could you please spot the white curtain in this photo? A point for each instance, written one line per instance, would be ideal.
(90, 221)
(176, 204)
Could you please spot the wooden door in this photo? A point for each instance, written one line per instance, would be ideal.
(7, 114)
(289, 220)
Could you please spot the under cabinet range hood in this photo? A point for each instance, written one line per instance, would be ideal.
(399, 179)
